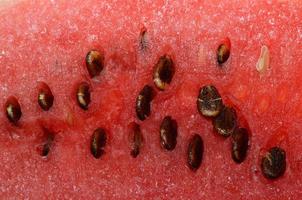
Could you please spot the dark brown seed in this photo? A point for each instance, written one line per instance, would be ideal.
(209, 102)
(94, 62)
(143, 102)
(168, 133)
(195, 152)
(163, 72)
(240, 141)
(13, 110)
(273, 164)
(45, 97)
(136, 140)
(83, 95)
(98, 142)
(48, 141)
(223, 51)
(226, 122)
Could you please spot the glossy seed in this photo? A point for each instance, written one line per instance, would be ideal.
(13, 110)
(143, 102)
(240, 141)
(168, 133)
(136, 140)
(98, 142)
(94, 63)
(209, 102)
(226, 122)
(195, 152)
(45, 97)
(273, 164)
(223, 51)
(163, 72)
(83, 95)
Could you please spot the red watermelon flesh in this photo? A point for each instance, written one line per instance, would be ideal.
(47, 41)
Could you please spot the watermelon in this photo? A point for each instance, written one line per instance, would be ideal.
(75, 75)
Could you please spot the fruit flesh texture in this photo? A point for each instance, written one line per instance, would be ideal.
(48, 41)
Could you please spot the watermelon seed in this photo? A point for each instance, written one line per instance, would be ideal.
(83, 95)
(98, 142)
(223, 51)
(195, 152)
(226, 122)
(143, 39)
(209, 102)
(143, 101)
(13, 110)
(45, 148)
(240, 140)
(45, 97)
(273, 164)
(136, 140)
(94, 63)
(263, 60)
(163, 72)
(168, 133)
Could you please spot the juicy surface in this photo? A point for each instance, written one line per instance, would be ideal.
(48, 40)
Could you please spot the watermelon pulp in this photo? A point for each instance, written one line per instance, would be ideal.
(48, 41)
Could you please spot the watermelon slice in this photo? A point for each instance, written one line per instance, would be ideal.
(88, 141)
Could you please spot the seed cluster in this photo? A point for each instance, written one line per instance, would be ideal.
(224, 119)
(209, 104)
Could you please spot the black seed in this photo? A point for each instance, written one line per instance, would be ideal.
(226, 122)
(273, 164)
(45, 150)
(143, 102)
(209, 102)
(45, 97)
(136, 140)
(223, 52)
(195, 152)
(48, 141)
(94, 62)
(163, 72)
(13, 110)
(240, 141)
(168, 133)
(83, 95)
(98, 142)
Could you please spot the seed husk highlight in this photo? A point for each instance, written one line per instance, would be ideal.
(240, 141)
(163, 72)
(226, 122)
(168, 133)
(13, 110)
(98, 142)
(136, 140)
(143, 102)
(83, 95)
(209, 101)
(94, 63)
(195, 152)
(273, 164)
(45, 97)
